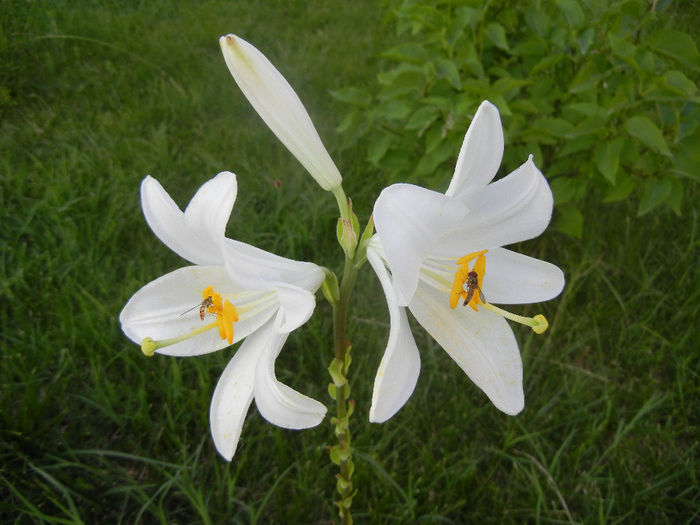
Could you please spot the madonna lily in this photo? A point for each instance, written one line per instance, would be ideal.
(233, 291)
(279, 106)
(441, 256)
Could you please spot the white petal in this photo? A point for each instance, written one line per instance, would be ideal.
(277, 403)
(169, 307)
(210, 208)
(514, 278)
(196, 235)
(296, 307)
(253, 267)
(481, 152)
(481, 343)
(232, 397)
(398, 371)
(512, 209)
(409, 220)
(279, 106)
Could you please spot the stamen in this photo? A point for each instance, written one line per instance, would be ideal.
(212, 303)
(473, 279)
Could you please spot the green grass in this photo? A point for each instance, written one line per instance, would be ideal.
(96, 96)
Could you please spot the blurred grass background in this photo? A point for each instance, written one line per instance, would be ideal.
(94, 96)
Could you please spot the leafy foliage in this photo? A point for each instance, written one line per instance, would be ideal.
(604, 94)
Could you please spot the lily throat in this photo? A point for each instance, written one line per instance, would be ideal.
(467, 285)
(212, 303)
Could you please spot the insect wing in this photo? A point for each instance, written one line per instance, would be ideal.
(481, 295)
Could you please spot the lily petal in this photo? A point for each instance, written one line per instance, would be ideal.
(210, 208)
(481, 343)
(481, 152)
(232, 398)
(513, 209)
(398, 371)
(252, 267)
(167, 308)
(279, 106)
(296, 307)
(277, 403)
(407, 218)
(514, 278)
(197, 234)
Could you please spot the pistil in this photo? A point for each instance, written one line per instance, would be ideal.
(538, 323)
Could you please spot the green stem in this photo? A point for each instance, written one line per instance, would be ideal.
(341, 454)
(342, 201)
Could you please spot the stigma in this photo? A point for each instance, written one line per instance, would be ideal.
(467, 285)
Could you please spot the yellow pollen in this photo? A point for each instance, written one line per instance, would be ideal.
(225, 312)
(473, 279)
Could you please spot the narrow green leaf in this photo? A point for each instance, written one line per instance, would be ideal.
(642, 128)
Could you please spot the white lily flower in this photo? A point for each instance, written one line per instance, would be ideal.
(233, 291)
(440, 255)
(279, 106)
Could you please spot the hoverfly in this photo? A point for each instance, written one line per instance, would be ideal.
(206, 303)
(472, 286)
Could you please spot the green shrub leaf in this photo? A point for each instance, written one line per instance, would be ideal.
(569, 220)
(645, 130)
(677, 45)
(497, 35)
(607, 158)
(353, 96)
(572, 12)
(655, 192)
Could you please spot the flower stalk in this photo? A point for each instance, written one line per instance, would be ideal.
(339, 389)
